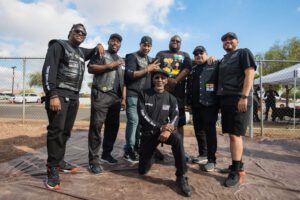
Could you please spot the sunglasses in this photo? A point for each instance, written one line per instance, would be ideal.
(177, 41)
(80, 31)
(160, 77)
(199, 53)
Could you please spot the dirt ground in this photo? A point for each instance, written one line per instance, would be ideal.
(18, 138)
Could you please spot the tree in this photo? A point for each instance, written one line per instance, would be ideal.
(35, 79)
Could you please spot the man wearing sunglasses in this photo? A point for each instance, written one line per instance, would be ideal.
(62, 76)
(235, 80)
(107, 93)
(178, 65)
(158, 115)
(202, 96)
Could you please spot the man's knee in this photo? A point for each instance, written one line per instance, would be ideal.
(235, 138)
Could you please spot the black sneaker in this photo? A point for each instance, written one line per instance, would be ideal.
(233, 179)
(227, 170)
(52, 181)
(131, 156)
(184, 186)
(109, 159)
(95, 168)
(66, 167)
(158, 155)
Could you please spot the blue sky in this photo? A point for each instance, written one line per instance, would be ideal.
(28, 25)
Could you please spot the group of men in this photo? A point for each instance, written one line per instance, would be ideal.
(154, 93)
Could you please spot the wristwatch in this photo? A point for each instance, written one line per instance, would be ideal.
(244, 97)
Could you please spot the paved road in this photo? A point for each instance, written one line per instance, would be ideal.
(35, 111)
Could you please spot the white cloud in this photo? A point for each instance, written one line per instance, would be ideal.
(180, 6)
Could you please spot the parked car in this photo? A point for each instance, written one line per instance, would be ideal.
(5, 96)
(29, 98)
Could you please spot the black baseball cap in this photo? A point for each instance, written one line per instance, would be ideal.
(116, 35)
(160, 71)
(229, 34)
(199, 49)
(146, 40)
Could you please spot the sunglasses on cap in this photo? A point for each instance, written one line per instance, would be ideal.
(198, 53)
(174, 40)
(77, 31)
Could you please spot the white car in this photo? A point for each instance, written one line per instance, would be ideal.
(29, 98)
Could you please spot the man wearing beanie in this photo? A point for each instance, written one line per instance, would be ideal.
(236, 74)
(62, 76)
(138, 68)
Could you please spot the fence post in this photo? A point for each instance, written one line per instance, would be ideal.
(24, 77)
(260, 100)
(251, 114)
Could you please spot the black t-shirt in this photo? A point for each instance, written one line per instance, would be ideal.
(54, 56)
(232, 74)
(174, 63)
(270, 94)
(96, 59)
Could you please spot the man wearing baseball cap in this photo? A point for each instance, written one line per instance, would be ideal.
(138, 66)
(235, 80)
(158, 115)
(201, 95)
(106, 96)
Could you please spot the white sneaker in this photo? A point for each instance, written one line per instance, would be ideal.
(200, 160)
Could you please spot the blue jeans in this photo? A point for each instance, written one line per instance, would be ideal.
(132, 123)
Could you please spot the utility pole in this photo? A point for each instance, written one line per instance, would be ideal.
(13, 79)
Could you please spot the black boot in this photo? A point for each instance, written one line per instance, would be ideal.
(184, 186)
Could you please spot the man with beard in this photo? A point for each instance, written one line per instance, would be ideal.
(178, 65)
(62, 76)
(158, 115)
(236, 74)
(202, 96)
(137, 78)
(107, 90)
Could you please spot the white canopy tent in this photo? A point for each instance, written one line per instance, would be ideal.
(287, 76)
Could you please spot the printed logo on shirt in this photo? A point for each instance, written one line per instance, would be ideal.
(172, 65)
(165, 107)
(148, 104)
(209, 87)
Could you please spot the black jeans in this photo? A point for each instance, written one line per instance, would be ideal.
(204, 120)
(59, 129)
(105, 109)
(149, 144)
(269, 105)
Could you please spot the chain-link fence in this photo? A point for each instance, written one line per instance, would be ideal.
(276, 96)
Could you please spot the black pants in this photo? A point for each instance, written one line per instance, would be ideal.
(59, 129)
(204, 120)
(149, 144)
(105, 109)
(268, 106)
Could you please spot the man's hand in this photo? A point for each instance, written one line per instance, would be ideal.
(116, 64)
(101, 50)
(242, 105)
(55, 104)
(164, 136)
(171, 84)
(167, 127)
(123, 105)
(154, 66)
(211, 60)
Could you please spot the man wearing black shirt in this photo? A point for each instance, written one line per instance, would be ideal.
(178, 65)
(107, 92)
(137, 78)
(62, 76)
(236, 74)
(158, 116)
(270, 100)
(202, 96)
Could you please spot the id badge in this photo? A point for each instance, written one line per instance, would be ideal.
(210, 87)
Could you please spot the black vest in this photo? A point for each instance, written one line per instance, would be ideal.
(105, 81)
(71, 69)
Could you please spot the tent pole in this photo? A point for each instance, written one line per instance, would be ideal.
(260, 100)
(295, 85)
